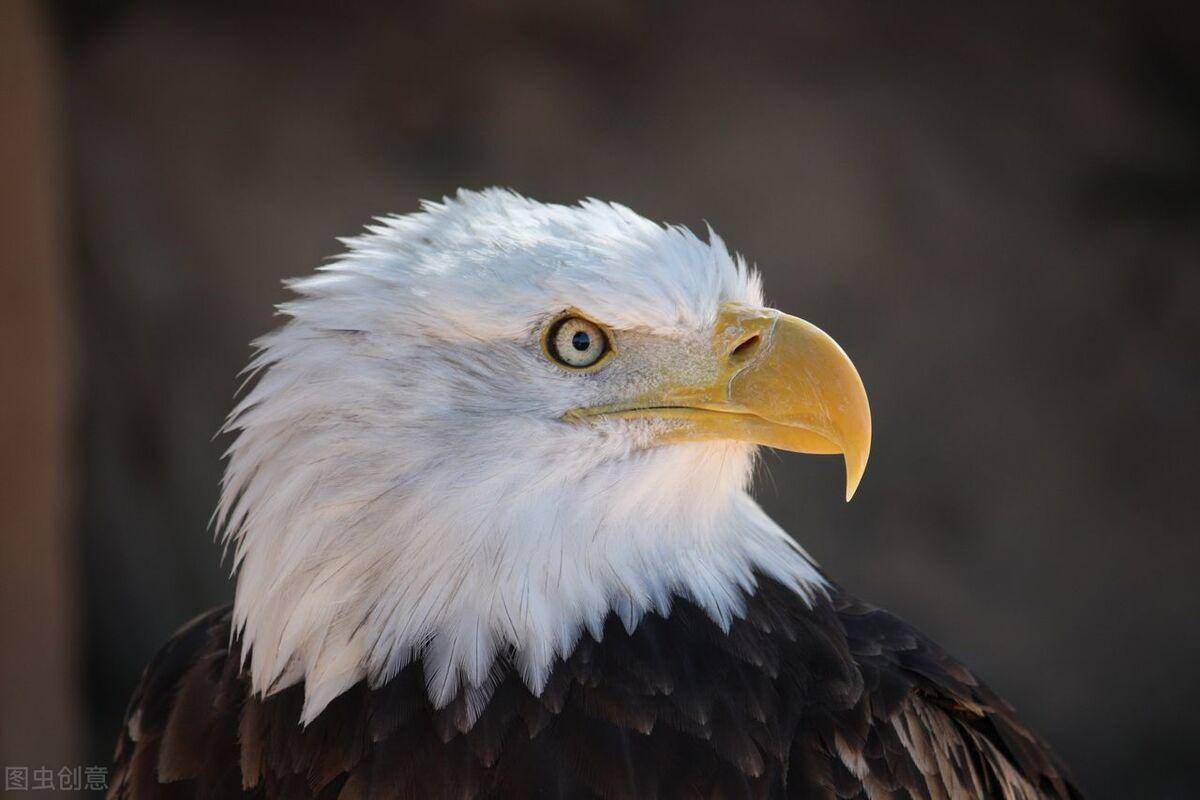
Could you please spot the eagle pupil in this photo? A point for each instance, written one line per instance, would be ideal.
(581, 341)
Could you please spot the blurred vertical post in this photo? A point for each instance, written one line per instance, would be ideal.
(39, 688)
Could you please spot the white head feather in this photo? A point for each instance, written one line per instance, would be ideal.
(402, 487)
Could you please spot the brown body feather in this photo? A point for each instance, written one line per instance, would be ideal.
(837, 701)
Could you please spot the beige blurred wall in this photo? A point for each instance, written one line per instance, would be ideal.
(39, 679)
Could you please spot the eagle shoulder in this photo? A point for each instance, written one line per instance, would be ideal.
(188, 694)
(925, 725)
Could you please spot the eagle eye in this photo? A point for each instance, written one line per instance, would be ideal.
(576, 343)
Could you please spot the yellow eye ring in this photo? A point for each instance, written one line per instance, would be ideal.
(576, 343)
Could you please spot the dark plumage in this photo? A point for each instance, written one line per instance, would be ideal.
(841, 700)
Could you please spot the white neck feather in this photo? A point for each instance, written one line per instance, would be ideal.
(337, 585)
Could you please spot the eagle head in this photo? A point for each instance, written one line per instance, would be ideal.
(490, 424)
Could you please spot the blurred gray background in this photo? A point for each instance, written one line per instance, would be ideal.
(995, 208)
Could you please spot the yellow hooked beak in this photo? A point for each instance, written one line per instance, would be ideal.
(780, 382)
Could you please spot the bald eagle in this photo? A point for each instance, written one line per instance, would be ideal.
(487, 503)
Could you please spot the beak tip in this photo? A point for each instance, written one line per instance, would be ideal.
(856, 466)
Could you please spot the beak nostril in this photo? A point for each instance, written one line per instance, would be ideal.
(746, 347)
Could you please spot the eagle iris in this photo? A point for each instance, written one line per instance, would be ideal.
(576, 342)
